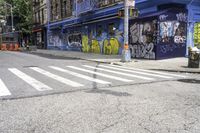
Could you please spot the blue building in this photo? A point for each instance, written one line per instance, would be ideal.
(164, 29)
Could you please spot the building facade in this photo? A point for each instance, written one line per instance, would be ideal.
(164, 29)
(39, 22)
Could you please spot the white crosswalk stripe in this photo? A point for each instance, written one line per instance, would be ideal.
(120, 73)
(3, 89)
(132, 71)
(151, 71)
(106, 75)
(79, 75)
(56, 77)
(101, 74)
(31, 81)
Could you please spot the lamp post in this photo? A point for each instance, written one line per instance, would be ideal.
(11, 10)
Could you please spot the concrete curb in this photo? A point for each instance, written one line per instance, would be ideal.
(112, 62)
(162, 69)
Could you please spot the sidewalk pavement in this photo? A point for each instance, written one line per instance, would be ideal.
(174, 65)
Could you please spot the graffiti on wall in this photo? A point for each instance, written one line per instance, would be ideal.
(197, 35)
(143, 39)
(74, 40)
(172, 31)
(102, 43)
(55, 40)
(182, 17)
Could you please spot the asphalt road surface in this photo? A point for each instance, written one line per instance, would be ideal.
(54, 94)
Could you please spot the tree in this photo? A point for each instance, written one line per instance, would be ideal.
(23, 10)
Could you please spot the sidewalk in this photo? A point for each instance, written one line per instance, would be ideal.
(173, 65)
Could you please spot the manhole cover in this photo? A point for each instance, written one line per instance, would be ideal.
(193, 81)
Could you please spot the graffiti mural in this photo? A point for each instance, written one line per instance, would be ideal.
(143, 39)
(85, 45)
(101, 42)
(172, 31)
(55, 39)
(104, 37)
(75, 40)
(95, 48)
(172, 35)
(197, 35)
(111, 46)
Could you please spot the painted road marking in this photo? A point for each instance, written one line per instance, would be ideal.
(151, 71)
(56, 77)
(120, 73)
(80, 75)
(3, 89)
(31, 81)
(101, 74)
(132, 71)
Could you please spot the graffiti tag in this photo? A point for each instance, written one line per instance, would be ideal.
(181, 17)
(163, 17)
(143, 51)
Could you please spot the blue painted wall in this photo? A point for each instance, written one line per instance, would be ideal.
(72, 33)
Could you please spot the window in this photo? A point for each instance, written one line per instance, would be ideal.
(56, 9)
(65, 8)
(42, 15)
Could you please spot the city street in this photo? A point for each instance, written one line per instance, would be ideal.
(55, 94)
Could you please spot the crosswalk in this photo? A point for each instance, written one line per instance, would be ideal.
(78, 76)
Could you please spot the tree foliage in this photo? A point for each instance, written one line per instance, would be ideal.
(22, 11)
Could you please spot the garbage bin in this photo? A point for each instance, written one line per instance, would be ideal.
(194, 58)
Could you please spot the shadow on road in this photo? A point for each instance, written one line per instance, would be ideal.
(193, 81)
(109, 92)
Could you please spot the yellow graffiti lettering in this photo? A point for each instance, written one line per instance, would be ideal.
(95, 48)
(85, 45)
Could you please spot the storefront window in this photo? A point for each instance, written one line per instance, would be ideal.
(197, 35)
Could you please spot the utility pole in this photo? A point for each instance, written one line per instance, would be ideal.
(126, 56)
(11, 11)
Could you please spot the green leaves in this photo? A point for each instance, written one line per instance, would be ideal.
(22, 11)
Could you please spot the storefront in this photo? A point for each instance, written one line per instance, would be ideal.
(39, 37)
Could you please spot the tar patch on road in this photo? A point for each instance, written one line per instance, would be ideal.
(191, 81)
